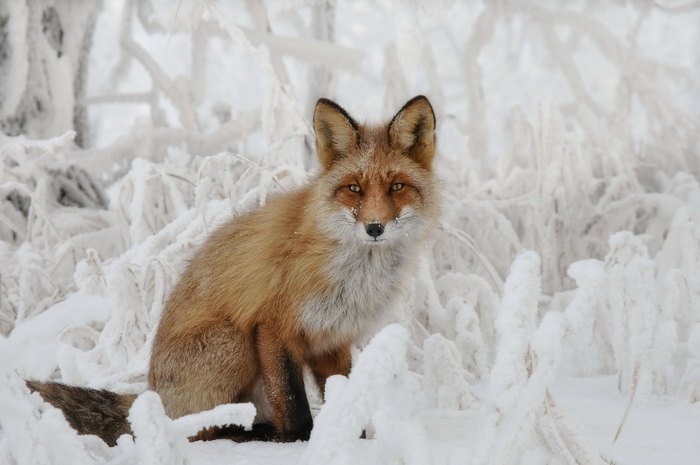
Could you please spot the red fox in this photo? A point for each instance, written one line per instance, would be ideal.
(290, 285)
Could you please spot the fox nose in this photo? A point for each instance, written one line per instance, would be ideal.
(375, 229)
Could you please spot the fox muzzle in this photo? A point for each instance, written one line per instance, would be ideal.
(374, 229)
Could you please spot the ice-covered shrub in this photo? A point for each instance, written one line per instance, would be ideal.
(380, 391)
(51, 210)
(520, 414)
(443, 376)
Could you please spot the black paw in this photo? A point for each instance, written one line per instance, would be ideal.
(301, 431)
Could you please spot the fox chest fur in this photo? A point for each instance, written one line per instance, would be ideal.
(363, 282)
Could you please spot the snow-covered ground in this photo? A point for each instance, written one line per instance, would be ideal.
(555, 318)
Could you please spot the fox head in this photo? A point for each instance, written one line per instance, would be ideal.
(377, 185)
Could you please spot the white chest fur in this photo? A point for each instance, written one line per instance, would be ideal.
(364, 282)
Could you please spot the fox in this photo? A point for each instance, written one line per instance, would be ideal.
(287, 287)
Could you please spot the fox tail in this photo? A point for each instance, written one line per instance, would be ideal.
(89, 411)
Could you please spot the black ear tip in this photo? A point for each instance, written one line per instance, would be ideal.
(422, 99)
(334, 106)
(417, 99)
(325, 101)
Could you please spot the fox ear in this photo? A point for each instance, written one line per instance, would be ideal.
(412, 131)
(336, 132)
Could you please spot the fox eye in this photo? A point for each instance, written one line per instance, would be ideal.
(397, 186)
(354, 188)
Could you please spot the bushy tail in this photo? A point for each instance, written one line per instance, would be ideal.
(89, 411)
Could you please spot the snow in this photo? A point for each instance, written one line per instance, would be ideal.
(554, 318)
(158, 440)
(664, 430)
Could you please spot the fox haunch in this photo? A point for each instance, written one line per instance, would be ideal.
(290, 285)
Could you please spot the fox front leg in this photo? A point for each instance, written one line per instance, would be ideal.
(283, 384)
(335, 362)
